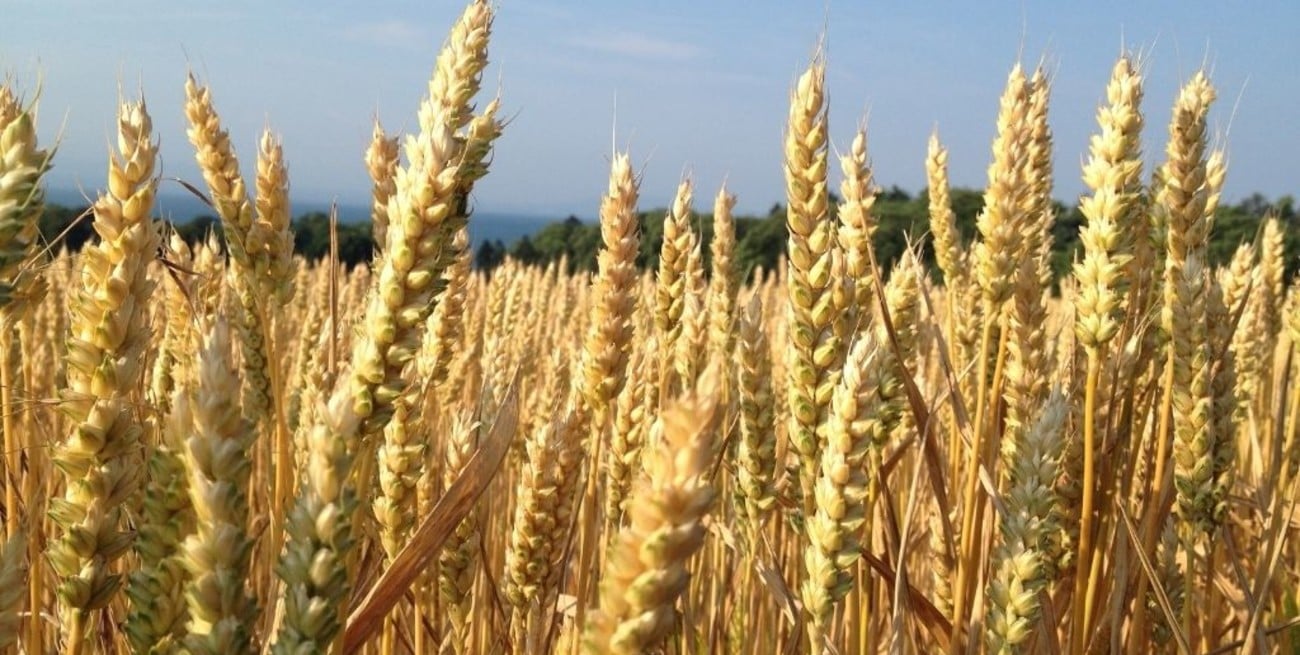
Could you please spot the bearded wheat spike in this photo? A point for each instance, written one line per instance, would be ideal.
(961, 307)
(1254, 342)
(671, 285)
(271, 232)
(542, 514)
(1021, 563)
(219, 166)
(245, 237)
(948, 250)
(628, 434)
(815, 325)
(857, 225)
(1241, 287)
(722, 280)
(382, 159)
(459, 560)
(313, 565)
(109, 332)
(401, 460)
(648, 567)
(428, 208)
(609, 338)
(218, 442)
(1113, 174)
(1184, 196)
(1004, 216)
(756, 451)
(862, 415)
(903, 298)
(22, 165)
(159, 614)
(1027, 349)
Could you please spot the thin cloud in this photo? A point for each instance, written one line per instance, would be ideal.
(638, 46)
(388, 33)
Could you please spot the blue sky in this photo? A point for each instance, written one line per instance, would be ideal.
(700, 87)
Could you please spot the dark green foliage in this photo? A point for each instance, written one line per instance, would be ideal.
(490, 254)
(760, 240)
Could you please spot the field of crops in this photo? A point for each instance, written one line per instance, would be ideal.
(219, 448)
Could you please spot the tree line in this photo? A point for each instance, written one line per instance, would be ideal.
(902, 217)
(903, 220)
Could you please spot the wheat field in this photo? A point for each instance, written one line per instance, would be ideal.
(217, 447)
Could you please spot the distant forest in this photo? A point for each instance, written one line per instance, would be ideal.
(760, 240)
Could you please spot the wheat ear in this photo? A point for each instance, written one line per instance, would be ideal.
(429, 206)
(1184, 197)
(856, 226)
(313, 565)
(218, 443)
(1021, 566)
(159, 615)
(459, 561)
(543, 513)
(862, 415)
(756, 451)
(723, 276)
(22, 165)
(101, 460)
(671, 285)
(948, 251)
(608, 341)
(815, 346)
(382, 159)
(649, 565)
(1113, 174)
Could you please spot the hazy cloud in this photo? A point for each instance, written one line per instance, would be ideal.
(639, 46)
(389, 33)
